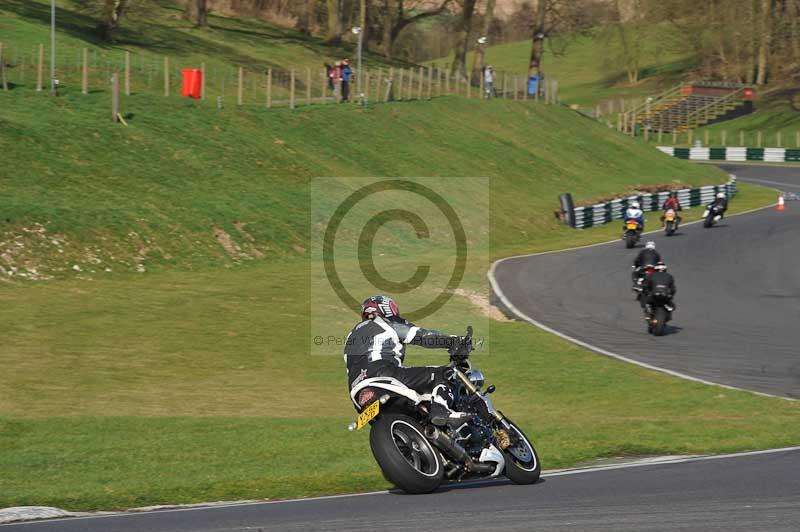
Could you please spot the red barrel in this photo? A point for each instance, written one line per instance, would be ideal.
(192, 83)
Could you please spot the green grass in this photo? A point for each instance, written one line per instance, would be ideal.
(194, 381)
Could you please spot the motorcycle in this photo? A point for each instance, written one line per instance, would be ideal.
(659, 314)
(417, 456)
(639, 274)
(632, 233)
(712, 215)
(670, 222)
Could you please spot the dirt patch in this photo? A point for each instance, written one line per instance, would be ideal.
(482, 303)
(231, 248)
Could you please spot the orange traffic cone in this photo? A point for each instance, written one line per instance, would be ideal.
(781, 206)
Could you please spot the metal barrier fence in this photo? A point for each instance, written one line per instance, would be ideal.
(603, 213)
(740, 153)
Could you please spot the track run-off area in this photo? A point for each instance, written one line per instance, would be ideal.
(737, 305)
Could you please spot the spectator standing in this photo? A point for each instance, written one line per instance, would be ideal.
(346, 74)
(488, 81)
(329, 75)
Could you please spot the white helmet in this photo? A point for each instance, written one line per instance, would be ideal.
(720, 195)
(650, 245)
(634, 205)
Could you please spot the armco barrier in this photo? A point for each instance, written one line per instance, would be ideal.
(735, 153)
(613, 210)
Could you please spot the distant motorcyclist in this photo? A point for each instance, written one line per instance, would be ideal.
(634, 212)
(376, 348)
(658, 284)
(673, 203)
(721, 202)
(646, 257)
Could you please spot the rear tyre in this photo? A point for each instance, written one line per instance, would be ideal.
(630, 240)
(522, 462)
(670, 228)
(660, 321)
(709, 221)
(406, 457)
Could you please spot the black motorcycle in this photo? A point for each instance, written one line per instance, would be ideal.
(712, 215)
(417, 456)
(631, 233)
(659, 313)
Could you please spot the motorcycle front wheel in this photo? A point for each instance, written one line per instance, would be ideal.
(406, 457)
(670, 228)
(522, 462)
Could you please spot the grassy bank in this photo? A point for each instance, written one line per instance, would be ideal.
(183, 374)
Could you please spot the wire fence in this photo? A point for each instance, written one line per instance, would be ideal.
(90, 70)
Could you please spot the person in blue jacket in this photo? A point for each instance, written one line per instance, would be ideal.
(634, 212)
(347, 73)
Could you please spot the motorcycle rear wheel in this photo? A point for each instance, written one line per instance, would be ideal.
(660, 321)
(709, 221)
(670, 228)
(522, 462)
(630, 240)
(406, 457)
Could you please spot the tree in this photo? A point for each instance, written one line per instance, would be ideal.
(396, 15)
(334, 34)
(764, 37)
(465, 27)
(112, 13)
(197, 12)
(479, 58)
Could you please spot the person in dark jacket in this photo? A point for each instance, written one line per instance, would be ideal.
(347, 74)
(659, 284)
(721, 201)
(646, 257)
(376, 348)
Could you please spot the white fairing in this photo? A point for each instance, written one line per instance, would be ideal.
(705, 213)
(717, 218)
(493, 454)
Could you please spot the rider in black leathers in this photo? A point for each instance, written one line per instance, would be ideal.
(646, 257)
(376, 348)
(722, 201)
(658, 283)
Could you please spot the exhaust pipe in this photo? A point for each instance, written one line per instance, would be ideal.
(454, 450)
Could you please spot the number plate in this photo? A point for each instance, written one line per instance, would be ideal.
(368, 414)
(633, 225)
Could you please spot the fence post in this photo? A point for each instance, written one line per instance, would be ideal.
(759, 139)
(380, 84)
(622, 105)
(308, 85)
(660, 132)
(505, 85)
(724, 138)
(410, 90)
(115, 97)
(430, 82)
(646, 133)
(40, 69)
(400, 83)
(3, 69)
(619, 122)
(516, 88)
(447, 81)
(367, 81)
(269, 88)
(240, 87)
(166, 76)
(706, 141)
(469, 84)
(689, 135)
(674, 138)
(85, 72)
(555, 91)
(203, 80)
(778, 139)
(291, 89)
(127, 73)
(741, 137)
(797, 138)
(389, 85)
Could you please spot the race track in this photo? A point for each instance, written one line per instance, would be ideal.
(733, 494)
(738, 297)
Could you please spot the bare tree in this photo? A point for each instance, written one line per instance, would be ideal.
(113, 11)
(335, 8)
(764, 37)
(465, 28)
(552, 17)
(197, 12)
(479, 58)
(396, 15)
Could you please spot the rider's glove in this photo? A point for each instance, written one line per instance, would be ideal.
(461, 347)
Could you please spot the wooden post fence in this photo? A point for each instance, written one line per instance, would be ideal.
(389, 85)
(166, 76)
(85, 72)
(505, 85)
(469, 84)
(797, 139)
(689, 137)
(380, 84)
(660, 134)
(447, 81)
(410, 90)
(758, 136)
(741, 137)
(127, 73)
(619, 122)
(778, 139)
(115, 97)
(724, 138)
(674, 137)
(269, 88)
(240, 87)
(40, 69)
(421, 83)
(203, 80)
(291, 90)
(429, 94)
(3, 69)
(308, 85)
(706, 141)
